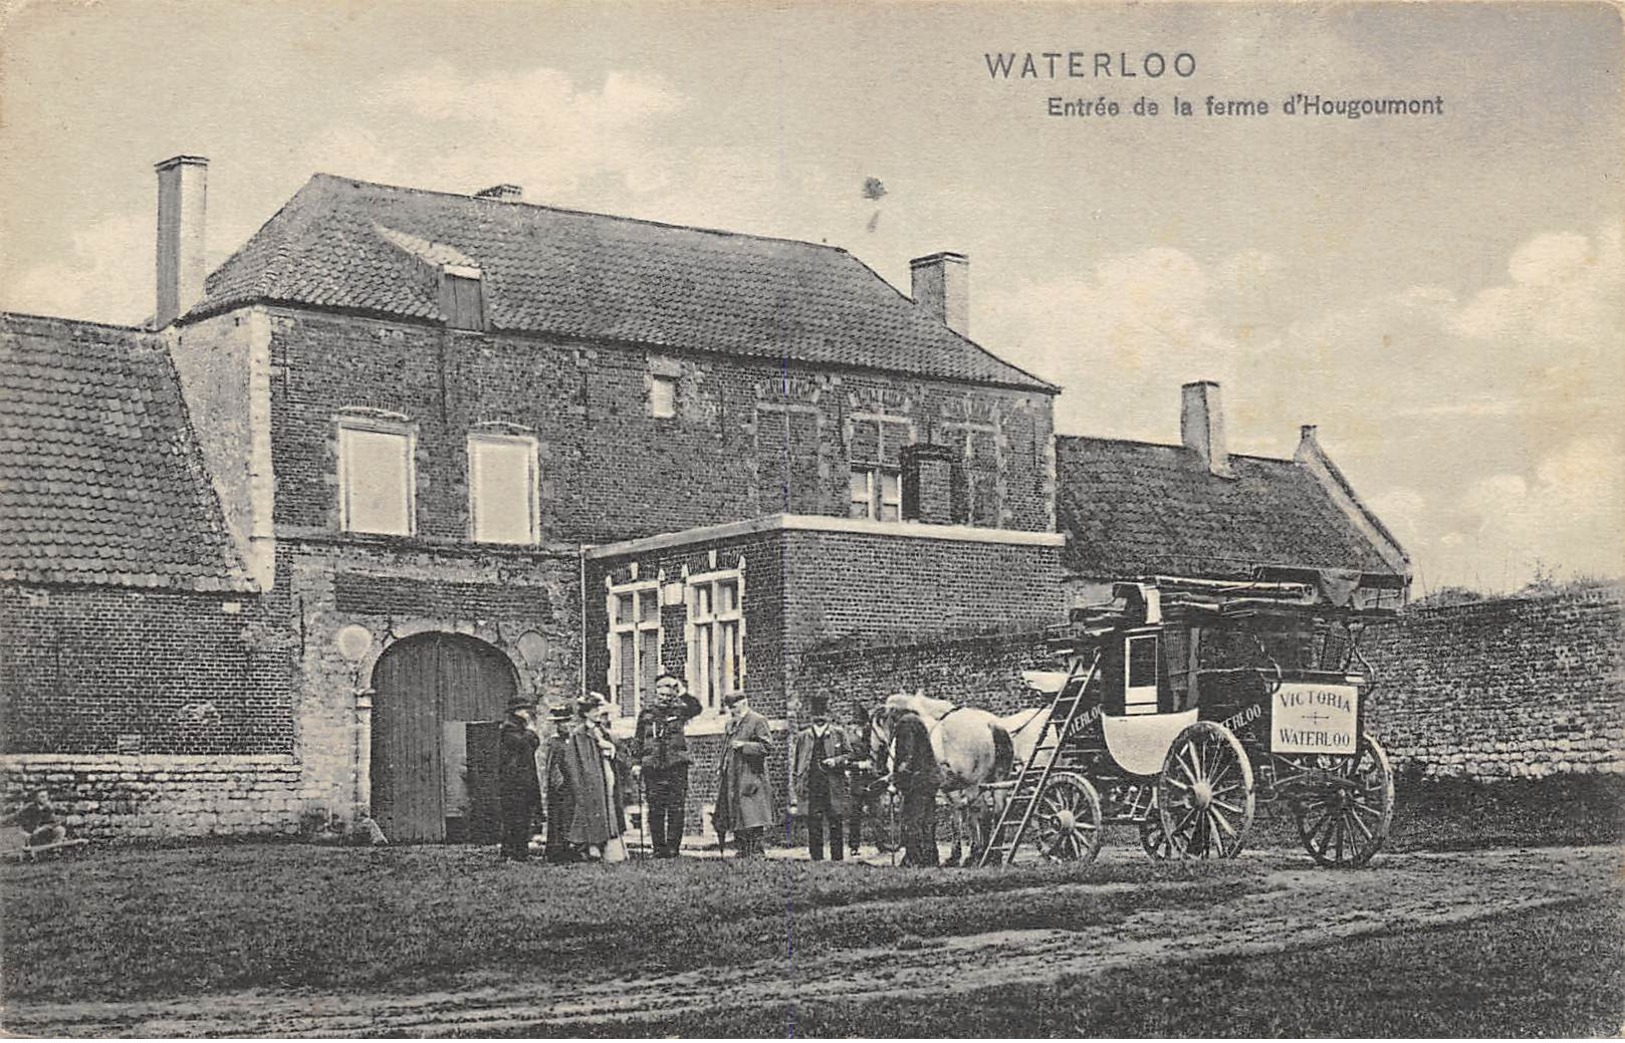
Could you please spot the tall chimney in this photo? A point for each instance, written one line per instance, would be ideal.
(1201, 426)
(942, 287)
(181, 182)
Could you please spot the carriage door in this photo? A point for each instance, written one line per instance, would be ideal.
(436, 703)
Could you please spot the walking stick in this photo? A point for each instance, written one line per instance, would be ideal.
(643, 819)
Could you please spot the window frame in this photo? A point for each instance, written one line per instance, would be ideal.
(403, 429)
(698, 675)
(875, 472)
(663, 380)
(533, 498)
(1135, 701)
(637, 627)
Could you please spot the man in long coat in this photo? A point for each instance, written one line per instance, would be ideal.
(818, 770)
(560, 801)
(518, 789)
(917, 776)
(589, 764)
(744, 801)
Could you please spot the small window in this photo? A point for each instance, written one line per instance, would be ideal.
(877, 475)
(877, 493)
(464, 302)
(662, 396)
(502, 499)
(716, 646)
(1140, 675)
(634, 645)
(375, 480)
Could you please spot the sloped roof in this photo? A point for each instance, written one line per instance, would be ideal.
(101, 480)
(1135, 509)
(352, 244)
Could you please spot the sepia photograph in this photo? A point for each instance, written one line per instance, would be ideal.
(891, 518)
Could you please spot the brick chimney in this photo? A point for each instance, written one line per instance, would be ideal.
(942, 288)
(1201, 426)
(928, 473)
(510, 193)
(181, 184)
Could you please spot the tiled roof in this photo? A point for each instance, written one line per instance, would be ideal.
(352, 244)
(1133, 509)
(100, 479)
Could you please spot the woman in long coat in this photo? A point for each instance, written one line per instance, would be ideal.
(590, 768)
(744, 800)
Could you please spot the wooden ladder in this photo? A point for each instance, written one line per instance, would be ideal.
(1018, 810)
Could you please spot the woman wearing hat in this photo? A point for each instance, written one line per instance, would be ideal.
(744, 802)
(519, 789)
(590, 768)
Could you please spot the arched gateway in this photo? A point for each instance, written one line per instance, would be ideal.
(438, 700)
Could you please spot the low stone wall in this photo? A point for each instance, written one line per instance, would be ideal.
(146, 797)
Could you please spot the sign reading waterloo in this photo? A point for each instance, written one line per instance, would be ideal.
(1314, 718)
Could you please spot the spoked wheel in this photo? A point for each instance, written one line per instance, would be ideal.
(1066, 822)
(1345, 818)
(1153, 839)
(1205, 793)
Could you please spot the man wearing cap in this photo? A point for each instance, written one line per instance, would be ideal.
(744, 802)
(560, 801)
(660, 754)
(822, 797)
(518, 788)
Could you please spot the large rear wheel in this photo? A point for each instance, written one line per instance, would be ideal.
(1344, 818)
(1205, 793)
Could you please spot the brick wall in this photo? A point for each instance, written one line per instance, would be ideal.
(1516, 687)
(610, 470)
(972, 670)
(102, 670)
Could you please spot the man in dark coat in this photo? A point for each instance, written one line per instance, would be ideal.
(560, 801)
(744, 802)
(517, 785)
(818, 769)
(917, 776)
(660, 754)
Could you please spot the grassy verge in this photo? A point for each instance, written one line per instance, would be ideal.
(155, 923)
(1553, 971)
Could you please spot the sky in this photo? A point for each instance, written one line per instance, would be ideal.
(1443, 295)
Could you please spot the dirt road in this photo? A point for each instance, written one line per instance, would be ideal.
(1298, 904)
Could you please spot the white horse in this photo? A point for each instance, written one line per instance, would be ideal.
(974, 748)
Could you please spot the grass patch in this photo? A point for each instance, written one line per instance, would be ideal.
(151, 923)
(1553, 971)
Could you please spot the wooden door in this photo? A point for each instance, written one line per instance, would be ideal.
(425, 687)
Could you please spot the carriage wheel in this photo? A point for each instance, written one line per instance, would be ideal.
(1153, 839)
(1066, 822)
(1205, 793)
(1345, 822)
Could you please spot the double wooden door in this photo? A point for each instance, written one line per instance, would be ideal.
(437, 702)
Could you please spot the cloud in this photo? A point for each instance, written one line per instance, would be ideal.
(1565, 289)
(93, 280)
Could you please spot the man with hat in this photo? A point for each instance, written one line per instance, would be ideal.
(822, 795)
(660, 758)
(560, 801)
(744, 802)
(519, 790)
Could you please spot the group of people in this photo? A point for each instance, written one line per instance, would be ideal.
(572, 778)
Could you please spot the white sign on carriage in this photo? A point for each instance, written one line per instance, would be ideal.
(1313, 717)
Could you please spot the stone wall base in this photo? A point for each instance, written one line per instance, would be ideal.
(134, 796)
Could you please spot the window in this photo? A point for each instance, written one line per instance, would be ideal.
(376, 478)
(716, 631)
(976, 485)
(1140, 675)
(634, 644)
(462, 299)
(877, 458)
(662, 396)
(502, 500)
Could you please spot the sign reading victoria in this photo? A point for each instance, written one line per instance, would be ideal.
(1309, 717)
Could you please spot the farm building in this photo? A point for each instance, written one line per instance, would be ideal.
(404, 454)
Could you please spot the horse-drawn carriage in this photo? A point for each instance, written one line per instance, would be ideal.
(1183, 703)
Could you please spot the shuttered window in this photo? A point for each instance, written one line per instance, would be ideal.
(502, 489)
(376, 479)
